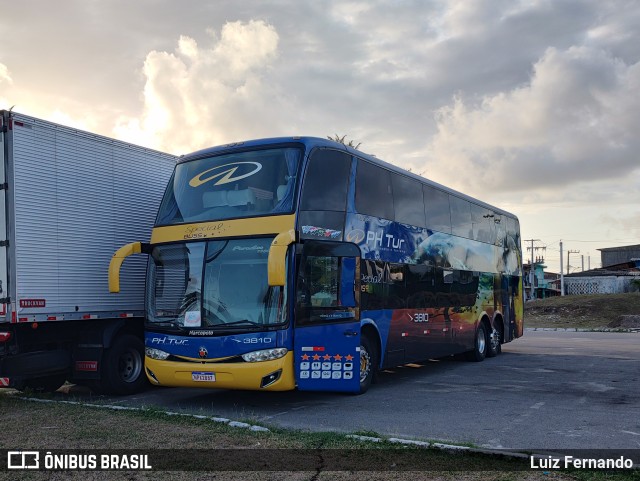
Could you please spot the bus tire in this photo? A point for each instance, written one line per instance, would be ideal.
(123, 366)
(494, 342)
(479, 351)
(368, 362)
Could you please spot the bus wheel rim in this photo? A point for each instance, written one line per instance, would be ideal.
(365, 364)
(481, 342)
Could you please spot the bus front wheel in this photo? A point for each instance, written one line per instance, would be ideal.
(368, 363)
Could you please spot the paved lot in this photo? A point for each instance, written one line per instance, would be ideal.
(548, 390)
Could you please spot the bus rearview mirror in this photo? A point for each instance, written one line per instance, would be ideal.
(276, 263)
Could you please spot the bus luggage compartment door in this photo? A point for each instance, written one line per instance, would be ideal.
(327, 331)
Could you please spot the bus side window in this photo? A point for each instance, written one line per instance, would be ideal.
(436, 206)
(461, 217)
(420, 286)
(373, 191)
(407, 200)
(320, 282)
(325, 182)
(373, 284)
(324, 194)
(397, 297)
(483, 224)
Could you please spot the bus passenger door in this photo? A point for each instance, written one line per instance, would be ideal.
(327, 324)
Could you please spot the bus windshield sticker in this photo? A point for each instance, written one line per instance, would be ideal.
(321, 232)
(192, 319)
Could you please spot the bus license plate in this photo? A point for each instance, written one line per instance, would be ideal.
(203, 376)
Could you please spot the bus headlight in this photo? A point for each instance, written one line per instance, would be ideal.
(154, 353)
(265, 355)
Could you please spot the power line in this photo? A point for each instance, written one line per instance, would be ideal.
(608, 240)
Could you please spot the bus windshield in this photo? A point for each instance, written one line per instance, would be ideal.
(230, 292)
(242, 184)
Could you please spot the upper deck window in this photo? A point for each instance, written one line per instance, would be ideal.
(373, 191)
(242, 184)
(326, 181)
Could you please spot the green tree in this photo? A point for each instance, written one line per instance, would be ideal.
(343, 141)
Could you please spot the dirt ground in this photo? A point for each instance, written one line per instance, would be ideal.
(596, 311)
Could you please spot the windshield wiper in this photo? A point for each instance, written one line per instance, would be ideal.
(241, 323)
(165, 324)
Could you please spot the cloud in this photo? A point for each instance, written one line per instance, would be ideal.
(5, 80)
(202, 96)
(4, 74)
(575, 121)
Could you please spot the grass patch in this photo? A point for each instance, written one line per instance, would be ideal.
(595, 311)
(51, 426)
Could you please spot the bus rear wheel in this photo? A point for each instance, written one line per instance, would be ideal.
(368, 362)
(480, 343)
(494, 346)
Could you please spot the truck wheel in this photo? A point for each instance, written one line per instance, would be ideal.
(123, 366)
(480, 343)
(368, 362)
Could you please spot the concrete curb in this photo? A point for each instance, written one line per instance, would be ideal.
(577, 329)
(452, 448)
(443, 446)
(228, 422)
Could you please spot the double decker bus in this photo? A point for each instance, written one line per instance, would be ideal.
(302, 263)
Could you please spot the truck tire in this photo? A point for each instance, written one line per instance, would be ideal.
(123, 366)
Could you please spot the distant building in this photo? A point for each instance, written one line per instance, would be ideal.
(545, 284)
(612, 256)
(614, 279)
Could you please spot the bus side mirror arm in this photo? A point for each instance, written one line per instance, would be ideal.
(118, 258)
(276, 264)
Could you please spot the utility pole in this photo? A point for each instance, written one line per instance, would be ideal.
(569, 252)
(561, 272)
(582, 262)
(531, 271)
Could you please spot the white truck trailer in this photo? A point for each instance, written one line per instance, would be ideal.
(68, 200)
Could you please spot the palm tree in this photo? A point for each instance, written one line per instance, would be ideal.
(342, 140)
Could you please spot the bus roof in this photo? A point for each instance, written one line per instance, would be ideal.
(312, 142)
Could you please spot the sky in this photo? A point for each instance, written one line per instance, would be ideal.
(532, 106)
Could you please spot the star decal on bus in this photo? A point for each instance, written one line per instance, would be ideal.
(337, 357)
(348, 357)
(305, 357)
(326, 357)
(316, 357)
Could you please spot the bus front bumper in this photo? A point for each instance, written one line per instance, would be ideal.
(277, 375)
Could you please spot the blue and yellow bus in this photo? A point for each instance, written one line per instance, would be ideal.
(302, 263)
